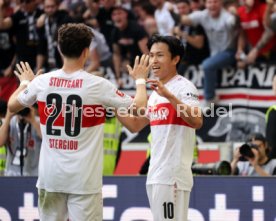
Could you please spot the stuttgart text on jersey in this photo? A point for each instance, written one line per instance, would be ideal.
(65, 83)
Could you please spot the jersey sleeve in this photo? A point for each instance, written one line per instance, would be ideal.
(189, 96)
(114, 97)
(28, 96)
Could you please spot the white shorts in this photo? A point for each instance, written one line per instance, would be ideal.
(74, 207)
(168, 203)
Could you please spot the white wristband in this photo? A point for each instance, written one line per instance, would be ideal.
(24, 82)
(140, 81)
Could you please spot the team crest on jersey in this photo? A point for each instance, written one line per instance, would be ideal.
(120, 93)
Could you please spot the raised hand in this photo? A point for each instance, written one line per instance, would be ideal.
(24, 71)
(141, 67)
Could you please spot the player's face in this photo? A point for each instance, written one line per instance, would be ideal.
(162, 63)
(214, 7)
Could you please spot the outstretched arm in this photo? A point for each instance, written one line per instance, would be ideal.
(133, 123)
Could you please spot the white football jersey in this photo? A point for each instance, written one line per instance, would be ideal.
(173, 139)
(72, 113)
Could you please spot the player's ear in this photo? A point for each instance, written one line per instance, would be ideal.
(176, 59)
(86, 53)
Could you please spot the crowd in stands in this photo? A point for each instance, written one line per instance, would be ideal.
(215, 34)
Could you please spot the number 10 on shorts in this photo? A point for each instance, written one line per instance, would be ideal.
(168, 210)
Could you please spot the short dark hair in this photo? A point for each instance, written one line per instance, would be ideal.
(73, 39)
(256, 136)
(176, 47)
(182, 1)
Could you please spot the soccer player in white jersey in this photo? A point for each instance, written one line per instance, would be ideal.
(71, 108)
(173, 115)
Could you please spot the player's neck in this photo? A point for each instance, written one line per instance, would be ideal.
(72, 65)
(168, 77)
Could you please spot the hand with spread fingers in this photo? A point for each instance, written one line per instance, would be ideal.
(159, 87)
(141, 67)
(24, 72)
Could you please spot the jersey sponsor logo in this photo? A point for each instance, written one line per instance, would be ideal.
(165, 114)
(195, 96)
(65, 83)
(120, 93)
(160, 114)
(250, 24)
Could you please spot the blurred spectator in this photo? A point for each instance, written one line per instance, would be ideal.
(142, 11)
(112, 145)
(145, 166)
(257, 163)
(193, 38)
(129, 40)
(150, 26)
(250, 44)
(21, 133)
(196, 5)
(271, 130)
(7, 86)
(90, 14)
(164, 19)
(100, 55)
(274, 85)
(66, 4)
(271, 124)
(3, 150)
(7, 47)
(104, 20)
(270, 15)
(48, 24)
(23, 23)
(220, 27)
(8, 82)
(126, 4)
